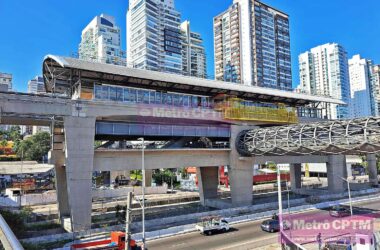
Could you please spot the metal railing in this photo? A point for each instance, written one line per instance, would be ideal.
(7, 237)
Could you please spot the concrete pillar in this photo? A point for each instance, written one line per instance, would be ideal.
(240, 172)
(207, 183)
(148, 177)
(336, 170)
(79, 138)
(372, 169)
(295, 176)
(57, 158)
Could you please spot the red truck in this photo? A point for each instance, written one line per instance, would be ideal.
(117, 242)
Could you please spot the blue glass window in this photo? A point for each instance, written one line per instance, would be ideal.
(152, 97)
(145, 96)
(98, 92)
(194, 101)
(186, 101)
(175, 100)
(104, 93)
(158, 97)
(140, 96)
(113, 93)
(169, 99)
(119, 94)
(126, 94)
(132, 95)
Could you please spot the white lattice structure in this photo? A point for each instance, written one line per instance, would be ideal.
(358, 136)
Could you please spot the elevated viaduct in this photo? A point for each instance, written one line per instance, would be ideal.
(91, 101)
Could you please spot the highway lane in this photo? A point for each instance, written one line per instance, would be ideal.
(243, 236)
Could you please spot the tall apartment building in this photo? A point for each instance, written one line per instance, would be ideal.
(36, 86)
(375, 89)
(324, 71)
(359, 70)
(6, 79)
(252, 45)
(101, 42)
(193, 52)
(153, 36)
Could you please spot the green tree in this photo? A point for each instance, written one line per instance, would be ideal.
(34, 147)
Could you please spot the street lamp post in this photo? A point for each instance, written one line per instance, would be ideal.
(349, 193)
(143, 190)
(279, 199)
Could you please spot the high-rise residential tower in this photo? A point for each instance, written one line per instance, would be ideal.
(324, 71)
(101, 41)
(6, 79)
(252, 45)
(193, 52)
(153, 36)
(360, 77)
(375, 89)
(36, 86)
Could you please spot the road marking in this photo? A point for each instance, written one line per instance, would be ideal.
(178, 245)
(248, 242)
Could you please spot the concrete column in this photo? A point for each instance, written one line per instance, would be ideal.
(148, 177)
(207, 183)
(79, 137)
(295, 176)
(57, 158)
(372, 169)
(336, 170)
(240, 172)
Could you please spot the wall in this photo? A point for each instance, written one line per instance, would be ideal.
(51, 196)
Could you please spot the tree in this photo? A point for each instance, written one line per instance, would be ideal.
(34, 147)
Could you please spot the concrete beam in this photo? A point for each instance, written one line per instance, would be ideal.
(289, 159)
(207, 183)
(295, 176)
(336, 170)
(120, 160)
(372, 169)
(79, 137)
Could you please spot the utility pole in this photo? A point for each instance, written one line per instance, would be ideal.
(128, 221)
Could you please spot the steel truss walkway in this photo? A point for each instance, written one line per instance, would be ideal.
(349, 137)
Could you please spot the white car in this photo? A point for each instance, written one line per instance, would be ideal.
(210, 225)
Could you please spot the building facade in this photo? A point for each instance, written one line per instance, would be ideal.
(375, 89)
(101, 42)
(6, 79)
(324, 71)
(359, 70)
(154, 36)
(36, 86)
(252, 45)
(193, 52)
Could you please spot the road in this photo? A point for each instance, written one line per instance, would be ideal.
(243, 236)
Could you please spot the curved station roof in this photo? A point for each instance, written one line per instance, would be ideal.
(62, 73)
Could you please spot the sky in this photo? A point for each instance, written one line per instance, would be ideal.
(31, 29)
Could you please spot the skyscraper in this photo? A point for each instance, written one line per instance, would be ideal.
(6, 79)
(375, 89)
(324, 71)
(359, 70)
(101, 41)
(36, 86)
(193, 52)
(153, 36)
(252, 45)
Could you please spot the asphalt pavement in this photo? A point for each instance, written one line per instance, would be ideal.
(243, 236)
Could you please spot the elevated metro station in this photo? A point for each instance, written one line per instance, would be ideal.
(89, 101)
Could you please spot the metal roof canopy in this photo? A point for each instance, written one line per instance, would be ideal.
(62, 74)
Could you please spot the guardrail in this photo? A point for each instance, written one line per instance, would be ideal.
(7, 237)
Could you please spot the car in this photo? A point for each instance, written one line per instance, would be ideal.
(339, 211)
(270, 226)
(273, 225)
(210, 225)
